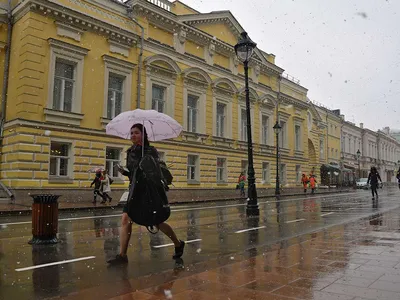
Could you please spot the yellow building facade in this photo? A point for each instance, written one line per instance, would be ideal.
(76, 64)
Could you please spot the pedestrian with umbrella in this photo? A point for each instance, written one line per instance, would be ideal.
(147, 203)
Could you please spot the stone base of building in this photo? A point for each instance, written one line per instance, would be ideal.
(174, 195)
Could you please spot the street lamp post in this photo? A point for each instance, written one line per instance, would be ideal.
(244, 50)
(277, 129)
(358, 158)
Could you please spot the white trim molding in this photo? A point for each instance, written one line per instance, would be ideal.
(69, 31)
(73, 54)
(121, 68)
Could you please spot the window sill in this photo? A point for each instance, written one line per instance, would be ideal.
(56, 179)
(221, 141)
(298, 153)
(193, 182)
(58, 116)
(222, 183)
(194, 136)
(104, 121)
(117, 180)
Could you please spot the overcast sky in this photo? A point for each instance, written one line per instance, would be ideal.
(346, 52)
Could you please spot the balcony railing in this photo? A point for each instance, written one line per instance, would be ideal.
(164, 4)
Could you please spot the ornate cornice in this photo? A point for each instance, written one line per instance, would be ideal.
(286, 99)
(79, 20)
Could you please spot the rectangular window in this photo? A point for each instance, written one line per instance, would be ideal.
(192, 113)
(243, 125)
(336, 153)
(221, 169)
(298, 173)
(192, 168)
(113, 158)
(266, 177)
(158, 98)
(64, 81)
(264, 129)
(115, 95)
(245, 167)
(282, 135)
(59, 159)
(297, 134)
(221, 116)
(282, 174)
(321, 149)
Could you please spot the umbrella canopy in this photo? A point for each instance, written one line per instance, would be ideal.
(159, 126)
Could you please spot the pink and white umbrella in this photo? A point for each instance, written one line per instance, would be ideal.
(159, 126)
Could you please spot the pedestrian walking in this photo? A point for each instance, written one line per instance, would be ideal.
(97, 187)
(106, 187)
(313, 183)
(373, 178)
(241, 184)
(135, 169)
(305, 181)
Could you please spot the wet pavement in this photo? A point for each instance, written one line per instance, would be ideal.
(343, 246)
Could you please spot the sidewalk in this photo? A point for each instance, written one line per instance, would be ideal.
(24, 206)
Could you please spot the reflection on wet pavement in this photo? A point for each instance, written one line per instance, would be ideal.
(321, 247)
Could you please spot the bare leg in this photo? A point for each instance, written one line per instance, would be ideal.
(168, 231)
(126, 230)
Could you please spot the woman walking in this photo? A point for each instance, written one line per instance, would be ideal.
(106, 187)
(373, 178)
(134, 155)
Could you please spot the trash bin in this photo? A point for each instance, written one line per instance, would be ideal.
(44, 219)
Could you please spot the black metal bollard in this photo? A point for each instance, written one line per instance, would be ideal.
(44, 219)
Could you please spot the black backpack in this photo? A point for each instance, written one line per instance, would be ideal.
(148, 204)
(166, 174)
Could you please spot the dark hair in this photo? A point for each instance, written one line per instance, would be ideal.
(374, 170)
(140, 127)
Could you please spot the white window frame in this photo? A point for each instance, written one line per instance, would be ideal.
(270, 132)
(196, 166)
(168, 82)
(266, 172)
(111, 161)
(123, 69)
(200, 93)
(283, 173)
(299, 146)
(164, 100)
(224, 125)
(240, 107)
(298, 173)
(244, 167)
(224, 170)
(322, 149)
(71, 54)
(69, 157)
(228, 115)
(63, 82)
(283, 142)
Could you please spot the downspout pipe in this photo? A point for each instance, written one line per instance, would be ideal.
(140, 60)
(6, 71)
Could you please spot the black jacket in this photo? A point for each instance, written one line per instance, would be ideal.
(373, 178)
(133, 157)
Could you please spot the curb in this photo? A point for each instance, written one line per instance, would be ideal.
(26, 210)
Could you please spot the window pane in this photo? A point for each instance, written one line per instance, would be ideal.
(64, 70)
(53, 166)
(110, 104)
(68, 94)
(57, 94)
(220, 119)
(112, 153)
(59, 149)
(118, 104)
(115, 82)
(63, 167)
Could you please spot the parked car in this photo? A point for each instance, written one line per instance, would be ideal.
(362, 183)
